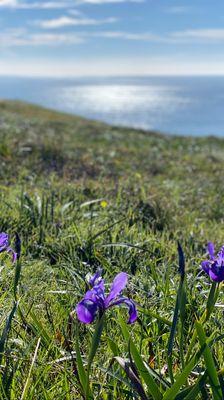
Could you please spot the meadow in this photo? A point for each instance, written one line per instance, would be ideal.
(84, 196)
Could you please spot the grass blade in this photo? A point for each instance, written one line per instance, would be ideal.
(178, 310)
(30, 370)
(181, 379)
(209, 362)
(153, 388)
(6, 330)
(94, 346)
(80, 366)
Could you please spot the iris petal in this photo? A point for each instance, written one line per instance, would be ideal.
(96, 292)
(4, 241)
(14, 254)
(215, 266)
(211, 250)
(86, 311)
(133, 315)
(214, 275)
(205, 266)
(93, 280)
(119, 283)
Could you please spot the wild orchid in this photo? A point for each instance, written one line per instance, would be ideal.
(5, 246)
(95, 299)
(214, 267)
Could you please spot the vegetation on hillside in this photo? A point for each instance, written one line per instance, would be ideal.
(83, 195)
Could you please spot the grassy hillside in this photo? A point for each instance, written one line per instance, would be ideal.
(84, 195)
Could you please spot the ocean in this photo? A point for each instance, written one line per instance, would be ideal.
(175, 105)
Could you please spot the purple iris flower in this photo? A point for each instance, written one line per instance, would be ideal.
(214, 267)
(5, 246)
(95, 299)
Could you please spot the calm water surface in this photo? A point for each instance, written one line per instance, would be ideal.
(183, 105)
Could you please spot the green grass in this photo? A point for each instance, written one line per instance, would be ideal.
(55, 170)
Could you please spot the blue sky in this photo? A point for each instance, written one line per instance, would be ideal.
(111, 37)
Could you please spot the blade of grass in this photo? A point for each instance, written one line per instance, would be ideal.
(209, 362)
(94, 346)
(153, 388)
(30, 370)
(80, 366)
(155, 315)
(212, 298)
(6, 331)
(195, 391)
(179, 309)
(182, 377)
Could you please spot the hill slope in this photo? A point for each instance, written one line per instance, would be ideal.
(84, 195)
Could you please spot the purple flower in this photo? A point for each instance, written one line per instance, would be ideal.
(95, 299)
(214, 267)
(5, 246)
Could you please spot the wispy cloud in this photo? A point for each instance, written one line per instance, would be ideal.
(200, 35)
(98, 2)
(20, 37)
(178, 9)
(8, 3)
(16, 4)
(197, 36)
(144, 36)
(64, 21)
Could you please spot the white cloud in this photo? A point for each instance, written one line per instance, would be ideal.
(16, 4)
(70, 21)
(20, 37)
(8, 3)
(205, 35)
(178, 9)
(23, 5)
(51, 5)
(144, 36)
(75, 13)
(197, 36)
(42, 39)
(98, 2)
(135, 36)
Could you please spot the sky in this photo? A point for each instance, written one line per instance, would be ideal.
(111, 37)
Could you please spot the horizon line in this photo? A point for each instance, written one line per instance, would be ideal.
(148, 75)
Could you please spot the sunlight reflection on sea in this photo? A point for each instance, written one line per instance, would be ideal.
(130, 105)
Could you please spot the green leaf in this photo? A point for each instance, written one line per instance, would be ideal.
(179, 310)
(196, 389)
(17, 278)
(113, 346)
(209, 362)
(94, 346)
(153, 388)
(181, 261)
(96, 339)
(182, 377)
(212, 297)
(155, 315)
(38, 328)
(6, 330)
(80, 366)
